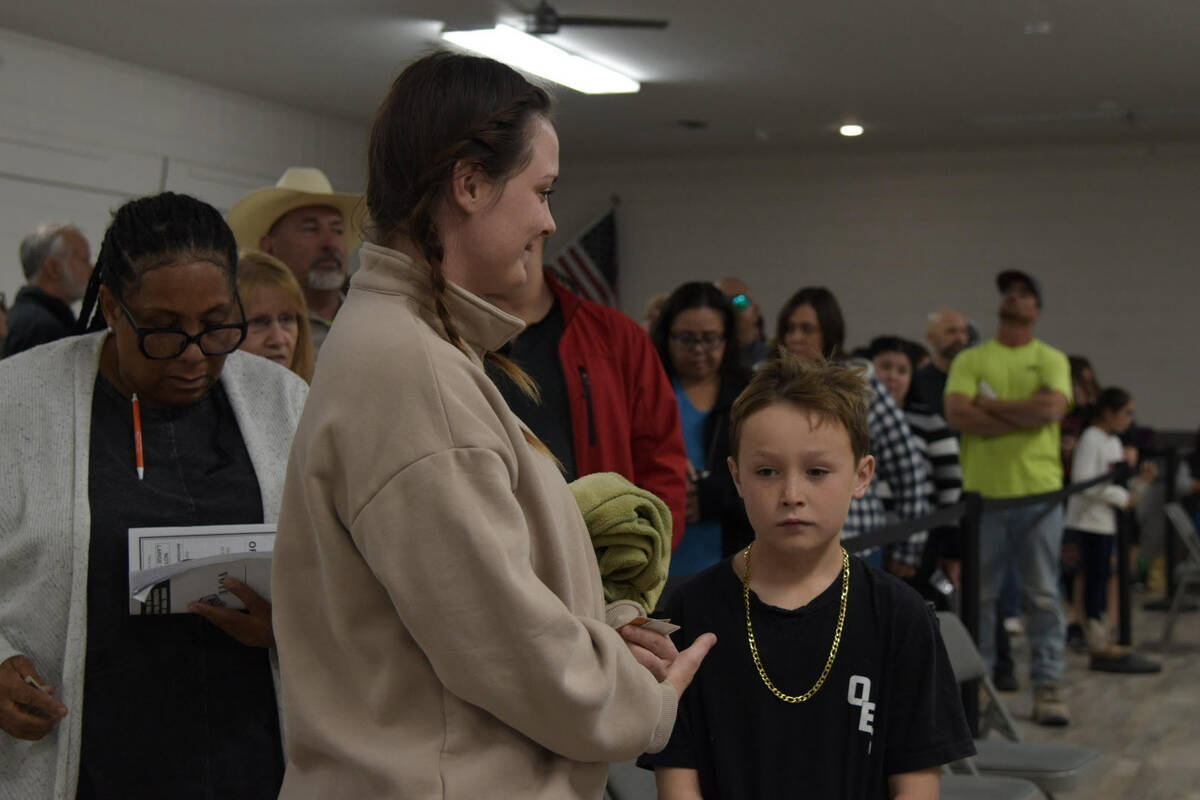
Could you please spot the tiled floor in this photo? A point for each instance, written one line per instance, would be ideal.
(1147, 726)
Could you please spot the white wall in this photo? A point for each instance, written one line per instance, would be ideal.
(81, 133)
(1110, 230)
(1113, 233)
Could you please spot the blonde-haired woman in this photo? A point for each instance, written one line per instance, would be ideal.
(438, 608)
(276, 314)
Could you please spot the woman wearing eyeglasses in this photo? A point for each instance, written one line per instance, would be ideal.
(695, 339)
(277, 324)
(95, 702)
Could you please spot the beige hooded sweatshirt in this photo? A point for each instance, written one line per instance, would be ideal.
(438, 607)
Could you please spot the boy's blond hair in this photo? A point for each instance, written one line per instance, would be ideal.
(833, 392)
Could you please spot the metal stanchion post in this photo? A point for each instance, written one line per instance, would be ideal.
(1125, 630)
(970, 594)
(1170, 543)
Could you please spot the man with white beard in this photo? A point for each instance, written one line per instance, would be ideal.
(306, 225)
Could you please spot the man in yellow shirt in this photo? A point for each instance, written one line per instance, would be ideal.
(1006, 397)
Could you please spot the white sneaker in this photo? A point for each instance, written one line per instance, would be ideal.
(1097, 636)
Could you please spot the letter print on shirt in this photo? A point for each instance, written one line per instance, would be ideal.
(859, 694)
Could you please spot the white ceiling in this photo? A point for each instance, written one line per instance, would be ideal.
(765, 76)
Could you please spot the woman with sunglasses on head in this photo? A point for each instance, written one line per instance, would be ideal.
(277, 324)
(96, 702)
(696, 338)
(441, 622)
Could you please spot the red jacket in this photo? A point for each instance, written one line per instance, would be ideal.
(623, 409)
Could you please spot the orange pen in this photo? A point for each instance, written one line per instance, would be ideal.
(137, 438)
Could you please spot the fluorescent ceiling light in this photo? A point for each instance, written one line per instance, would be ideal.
(851, 130)
(531, 54)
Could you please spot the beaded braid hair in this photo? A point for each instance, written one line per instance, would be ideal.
(152, 232)
(445, 110)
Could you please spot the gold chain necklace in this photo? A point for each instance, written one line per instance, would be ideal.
(837, 633)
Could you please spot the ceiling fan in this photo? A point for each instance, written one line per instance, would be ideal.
(544, 20)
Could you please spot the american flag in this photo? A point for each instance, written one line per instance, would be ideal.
(588, 264)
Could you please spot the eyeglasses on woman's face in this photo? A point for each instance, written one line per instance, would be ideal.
(261, 324)
(164, 343)
(690, 341)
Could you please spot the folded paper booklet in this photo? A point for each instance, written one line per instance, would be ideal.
(174, 566)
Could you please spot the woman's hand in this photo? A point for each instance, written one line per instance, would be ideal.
(658, 654)
(25, 711)
(654, 651)
(252, 629)
(693, 496)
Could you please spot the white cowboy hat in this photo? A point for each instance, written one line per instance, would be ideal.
(251, 217)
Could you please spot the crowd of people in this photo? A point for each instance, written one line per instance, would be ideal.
(436, 625)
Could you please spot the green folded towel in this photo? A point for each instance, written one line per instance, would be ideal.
(631, 532)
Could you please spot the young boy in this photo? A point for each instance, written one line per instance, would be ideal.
(829, 679)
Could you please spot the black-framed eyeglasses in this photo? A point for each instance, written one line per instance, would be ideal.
(163, 343)
(707, 341)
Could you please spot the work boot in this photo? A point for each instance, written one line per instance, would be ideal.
(1048, 708)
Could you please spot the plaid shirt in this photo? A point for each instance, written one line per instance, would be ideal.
(900, 463)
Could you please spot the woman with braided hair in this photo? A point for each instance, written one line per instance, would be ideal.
(438, 608)
(96, 702)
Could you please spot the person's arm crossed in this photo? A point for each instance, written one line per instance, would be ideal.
(1045, 406)
(963, 411)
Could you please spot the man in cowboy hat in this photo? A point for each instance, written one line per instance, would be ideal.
(308, 226)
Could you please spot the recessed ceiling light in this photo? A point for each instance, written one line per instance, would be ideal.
(851, 130)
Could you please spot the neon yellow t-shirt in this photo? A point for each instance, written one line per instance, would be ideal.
(1015, 464)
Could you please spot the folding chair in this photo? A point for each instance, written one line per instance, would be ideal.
(1187, 572)
(1053, 767)
(982, 787)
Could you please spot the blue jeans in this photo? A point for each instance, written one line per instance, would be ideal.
(1019, 538)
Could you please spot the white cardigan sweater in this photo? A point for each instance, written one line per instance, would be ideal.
(45, 524)
(1092, 509)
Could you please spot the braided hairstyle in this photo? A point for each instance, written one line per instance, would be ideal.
(444, 110)
(153, 232)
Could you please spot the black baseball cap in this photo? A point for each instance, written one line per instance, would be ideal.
(1006, 278)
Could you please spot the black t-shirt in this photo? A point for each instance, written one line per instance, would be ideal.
(890, 704)
(535, 350)
(929, 387)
